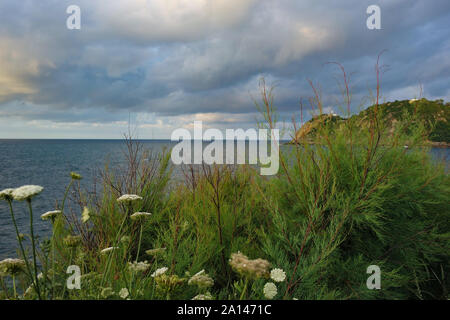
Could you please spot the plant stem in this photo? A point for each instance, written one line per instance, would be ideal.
(140, 240)
(113, 251)
(244, 290)
(30, 274)
(14, 286)
(34, 249)
(64, 201)
(53, 262)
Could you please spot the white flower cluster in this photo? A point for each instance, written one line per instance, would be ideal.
(6, 194)
(159, 272)
(140, 216)
(12, 266)
(106, 250)
(26, 192)
(85, 215)
(129, 198)
(201, 280)
(277, 275)
(50, 215)
(138, 266)
(20, 194)
(270, 290)
(206, 296)
(124, 293)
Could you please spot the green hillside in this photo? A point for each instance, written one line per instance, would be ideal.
(435, 114)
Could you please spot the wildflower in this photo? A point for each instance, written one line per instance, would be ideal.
(75, 176)
(72, 241)
(270, 290)
(6, 194)
(108, 250)
(85, 215)
(107, 292)
(138, 266)
(201, 280)
(206, 296)
(278, 275)
(50, 215)
(168, 283)
(12, 266)
(124, 293)
(129, 198)
(26, 192)
(140, 216)
(258, 268)
(154, 252)
(159, 272)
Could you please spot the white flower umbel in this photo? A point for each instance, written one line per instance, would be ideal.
(201, 280)
(6, 194)
(107, 250)
(140, 216)
(129, 198)
(124, 293)
(270, 290)
(50, 215)
(12, 266)
(26, 192)
(206, 296)
(159, 272)
(277, 275)
(85, 215)
(138, 266)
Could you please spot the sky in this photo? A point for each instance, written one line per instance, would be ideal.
(158, 65)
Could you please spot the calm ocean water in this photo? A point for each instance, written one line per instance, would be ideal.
(48, 163)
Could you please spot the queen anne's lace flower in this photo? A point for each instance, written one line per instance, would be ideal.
(278, 275)
(159, 272)
(6, 194)
(12, 266)
(206, 296)
(270, 290)
(50, 215)
(138, 266)
(258, 268)
(201, 280)
(106, 250)
(129, 198)
(124, 293)
(26, 192)
(85, 215)
(140, 216)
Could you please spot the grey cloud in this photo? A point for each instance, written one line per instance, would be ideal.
(171, 61)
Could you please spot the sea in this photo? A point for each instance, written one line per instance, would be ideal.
(48, 163)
